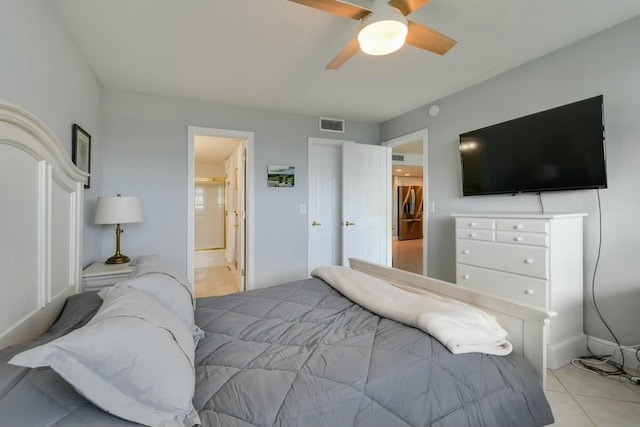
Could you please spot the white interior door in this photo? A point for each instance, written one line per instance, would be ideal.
(325, 212)
(349, 193)
(366, 185)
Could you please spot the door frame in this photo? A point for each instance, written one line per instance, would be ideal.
(414, 136)
(249, 252)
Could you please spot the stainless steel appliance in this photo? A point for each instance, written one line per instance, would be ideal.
(409, 212)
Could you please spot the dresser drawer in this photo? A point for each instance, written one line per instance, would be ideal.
(530, 225)
(525, 290)
(518, 238)
(528, 260)
(481, 223)
(468, 233)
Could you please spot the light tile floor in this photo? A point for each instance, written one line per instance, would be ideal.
(582, 399)
(407, 255)
(215, 281)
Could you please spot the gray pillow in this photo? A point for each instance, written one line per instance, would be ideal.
(134, 359)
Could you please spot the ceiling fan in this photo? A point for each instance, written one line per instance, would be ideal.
(383, 28)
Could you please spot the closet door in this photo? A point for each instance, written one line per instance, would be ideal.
(349, 195)
(366, 198)
(325, 209)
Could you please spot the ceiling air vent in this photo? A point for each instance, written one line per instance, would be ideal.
(331, 125)
(397, 157)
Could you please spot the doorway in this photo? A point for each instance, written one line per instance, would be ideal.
(408, 208)
(219, 199)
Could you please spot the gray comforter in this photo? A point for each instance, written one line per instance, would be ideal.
(301, 354)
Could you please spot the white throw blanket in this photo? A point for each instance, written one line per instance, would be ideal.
(458, 326)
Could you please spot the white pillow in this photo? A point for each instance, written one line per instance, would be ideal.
(145, 264)
(154, 278)
(134, 359)
(170, 293)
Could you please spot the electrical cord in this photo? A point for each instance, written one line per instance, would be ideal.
(540, 199)
(590, 362)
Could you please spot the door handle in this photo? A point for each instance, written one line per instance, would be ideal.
(315, 224)
(347, 223)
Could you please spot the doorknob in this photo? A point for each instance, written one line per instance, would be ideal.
(347, 223)
(315, 224)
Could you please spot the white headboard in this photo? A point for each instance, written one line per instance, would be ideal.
(41, 196)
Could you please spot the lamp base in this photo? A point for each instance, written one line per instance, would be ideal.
(117, 259)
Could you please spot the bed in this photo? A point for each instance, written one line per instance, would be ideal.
(298, 353)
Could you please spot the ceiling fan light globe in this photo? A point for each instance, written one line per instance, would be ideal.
(382, 37)
(383, 31)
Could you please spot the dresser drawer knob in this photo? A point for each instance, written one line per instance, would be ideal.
(465, 251)
(528, 291)
(518, 226)
(528, 261)
(472, 234)
(466, 276)
(472, 224)
(518, 239)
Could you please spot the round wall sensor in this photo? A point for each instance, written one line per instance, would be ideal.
(434, 110)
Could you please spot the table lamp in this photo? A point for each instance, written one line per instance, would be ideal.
(118, 210)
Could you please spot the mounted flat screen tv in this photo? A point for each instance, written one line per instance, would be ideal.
(558, 149)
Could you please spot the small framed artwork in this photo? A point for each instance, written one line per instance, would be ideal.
(81, 151)
(280, 176)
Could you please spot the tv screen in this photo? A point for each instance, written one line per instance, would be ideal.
(558, 149)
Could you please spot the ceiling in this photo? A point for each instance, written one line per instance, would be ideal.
(211, 150)
(271, 54)
(413, 147)
(404, 170)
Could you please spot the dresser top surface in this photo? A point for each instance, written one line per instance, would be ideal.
(528, 215)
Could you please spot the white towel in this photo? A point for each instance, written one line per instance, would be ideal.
(458, 326)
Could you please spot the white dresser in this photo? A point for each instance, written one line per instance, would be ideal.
(532, 259)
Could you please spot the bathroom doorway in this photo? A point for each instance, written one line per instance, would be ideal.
(218, 220)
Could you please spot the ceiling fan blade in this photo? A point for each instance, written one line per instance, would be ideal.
(347, 52)
(346, 10)
(364, 4)
(429, 39)
(407, 6)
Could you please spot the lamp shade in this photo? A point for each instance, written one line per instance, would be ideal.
(118, 210)
(383, 31)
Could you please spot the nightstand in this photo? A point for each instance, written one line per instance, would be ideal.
(99, 275)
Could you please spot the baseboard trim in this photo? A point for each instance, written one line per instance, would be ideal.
(604, 347)
(561, 354)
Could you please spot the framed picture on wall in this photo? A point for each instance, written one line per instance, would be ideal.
(81, 151)
(280, 176)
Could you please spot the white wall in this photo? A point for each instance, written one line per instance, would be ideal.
(607, 63)
(43, 72)
(145, 154)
